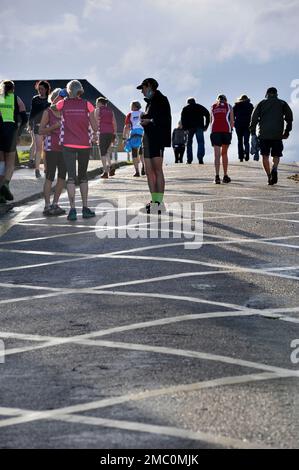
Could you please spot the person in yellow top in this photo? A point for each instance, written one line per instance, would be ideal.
(12, 110)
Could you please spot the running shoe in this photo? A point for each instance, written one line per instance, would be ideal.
(47, 210)
(72, 215)
(148, 207)
(137, 174)
(112, 172)
(105, 175)
(274, 175)
(87, 213)
(37, 174)
(55, 210)
(156, 208)
(226, 179)
(217, 179)
(5, 192)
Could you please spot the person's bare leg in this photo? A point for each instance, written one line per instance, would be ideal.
(224, 158)
(39, 150)
(2, 168)
(58, 190)
(9, 165)
(266, 165)
(151, 175)
(276, 161)
(32, 148)
(104, 162)
(217, 154)
(47, 192)
(135, 160)
(157, 163)
(108, 156)
(71, 190)
(84, 193)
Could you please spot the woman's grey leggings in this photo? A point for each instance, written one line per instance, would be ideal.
(71, 155)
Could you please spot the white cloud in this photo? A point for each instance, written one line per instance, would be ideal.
(190, 46)
(17, 33)
(92, 6)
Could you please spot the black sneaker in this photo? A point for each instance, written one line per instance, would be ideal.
(137, 174)
(270, 182)
(217, 179)
(87, 213)
(274, 176)
(142, 171)
(47, 211)
(37, 174)
(226, 179)
(5, 192)
(148, 207)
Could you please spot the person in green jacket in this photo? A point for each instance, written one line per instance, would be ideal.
(13, 120)
(274, 118)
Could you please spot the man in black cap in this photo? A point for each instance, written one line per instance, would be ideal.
(157, 135)
(270, 115)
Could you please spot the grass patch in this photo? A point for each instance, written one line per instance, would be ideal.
(23, 156)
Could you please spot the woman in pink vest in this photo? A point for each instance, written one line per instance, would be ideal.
(77, 119)
(50, 128)
(222, 123)
(107, 128)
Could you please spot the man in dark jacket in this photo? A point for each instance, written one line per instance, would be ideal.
(242, 114)
(157, 135)
(270, 115)
(195, 119)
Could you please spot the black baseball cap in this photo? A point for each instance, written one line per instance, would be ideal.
(149, 81)
(272, 91)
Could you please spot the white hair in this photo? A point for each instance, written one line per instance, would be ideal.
(54, 95)
(74, 88)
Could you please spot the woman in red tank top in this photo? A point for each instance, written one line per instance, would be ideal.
(222, 123)
(107, 128)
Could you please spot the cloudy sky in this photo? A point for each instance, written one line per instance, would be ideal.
(193, 47)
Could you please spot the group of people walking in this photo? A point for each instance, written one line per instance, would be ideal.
(270, 115)
(67, 126)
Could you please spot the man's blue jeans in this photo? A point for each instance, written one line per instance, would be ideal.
(200, 144)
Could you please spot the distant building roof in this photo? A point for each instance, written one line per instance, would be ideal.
(25, 90)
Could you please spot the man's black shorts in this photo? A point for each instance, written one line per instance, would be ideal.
(8, 137)
(271, 147)
(221, 138)
(152, 148)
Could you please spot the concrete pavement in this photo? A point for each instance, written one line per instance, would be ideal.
(141, 343)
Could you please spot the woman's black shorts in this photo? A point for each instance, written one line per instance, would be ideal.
(221, 138)
(8, 137)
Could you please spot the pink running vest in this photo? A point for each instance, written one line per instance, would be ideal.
(52, 141)
(75, 123)
(105, 120)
